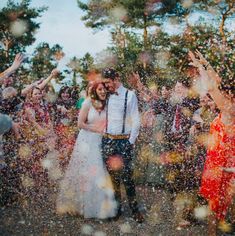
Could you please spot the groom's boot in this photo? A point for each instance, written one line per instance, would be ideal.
(136, 214)
(138, 217)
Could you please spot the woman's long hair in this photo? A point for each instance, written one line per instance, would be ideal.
(96, 101)
(70, 102)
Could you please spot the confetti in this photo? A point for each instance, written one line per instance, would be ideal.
(18, 28)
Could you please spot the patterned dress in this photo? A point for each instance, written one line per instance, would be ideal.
(215, 186)
(34, 145)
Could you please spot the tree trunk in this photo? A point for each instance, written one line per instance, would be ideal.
(119, 40)
(7, 43)
(7, 47)
(145, 36)
(145, 32)
(224, 17)
(74, 78)
(221, 28)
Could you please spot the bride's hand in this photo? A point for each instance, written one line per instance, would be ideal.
(98, 127)
(101, 127)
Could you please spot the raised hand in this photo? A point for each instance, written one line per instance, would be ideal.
(54, 73)
(134, 80)
(15, 65)
(194, 61)
(19, 58)
(205, 63)
(202, 59)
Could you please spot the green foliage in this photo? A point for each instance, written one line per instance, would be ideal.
(45, 59)
(158, 57)
(222, 5)
(17, 29)
(97, 13)
(81, 66)
(133, 13)
(137, 14)
(210, 43)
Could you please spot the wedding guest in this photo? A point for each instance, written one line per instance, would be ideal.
(65, 119)
(216, 178)
(36, 133)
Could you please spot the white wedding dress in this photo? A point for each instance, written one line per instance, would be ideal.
(86, 188)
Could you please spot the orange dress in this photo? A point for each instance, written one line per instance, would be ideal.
(215, 185)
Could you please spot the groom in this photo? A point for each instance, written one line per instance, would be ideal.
(122, 129)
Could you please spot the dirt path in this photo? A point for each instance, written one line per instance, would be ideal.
(37, 217)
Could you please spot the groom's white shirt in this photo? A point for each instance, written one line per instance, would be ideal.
(116, 111)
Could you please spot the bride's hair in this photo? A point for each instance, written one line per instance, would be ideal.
(96, 101)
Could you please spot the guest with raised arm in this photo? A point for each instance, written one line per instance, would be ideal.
(40, 84)
(37, 133)
(65, 124)
(5, 75)
(217, 178)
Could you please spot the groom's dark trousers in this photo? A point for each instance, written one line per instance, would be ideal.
(123, 148)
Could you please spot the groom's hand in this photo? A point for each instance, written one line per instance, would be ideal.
(131, 144)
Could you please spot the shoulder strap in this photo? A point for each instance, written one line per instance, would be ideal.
(107, 108)
(124, 114)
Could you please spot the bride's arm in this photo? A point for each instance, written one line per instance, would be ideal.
(82, 119)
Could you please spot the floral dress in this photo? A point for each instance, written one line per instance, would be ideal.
(34, 144)
(215, 185)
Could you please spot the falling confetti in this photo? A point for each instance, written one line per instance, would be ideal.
(100, 233)
(162, 58)
(18, 28)
(87, 229)
(187, 3)
(25, 151)
(125, 228)
(118, 14)
(32, 168)
(27, 182)
(201, 212)
(115, 162)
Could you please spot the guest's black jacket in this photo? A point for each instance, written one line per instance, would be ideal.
(168, 110)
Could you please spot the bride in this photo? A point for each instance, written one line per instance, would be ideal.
(86, 188)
